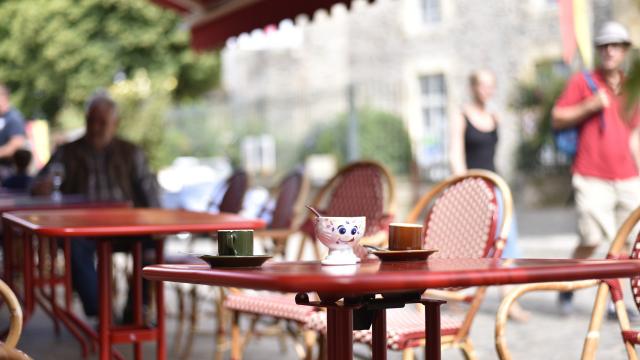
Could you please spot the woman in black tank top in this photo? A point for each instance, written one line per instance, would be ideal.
(479, 146)
(474, 131)
(474, 136)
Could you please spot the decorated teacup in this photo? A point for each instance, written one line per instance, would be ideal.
(340, 235)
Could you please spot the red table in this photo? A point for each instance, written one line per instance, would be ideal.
(22, 202)
(357, 284)
(104, 225)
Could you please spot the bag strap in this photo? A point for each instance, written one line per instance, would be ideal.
(594, 89)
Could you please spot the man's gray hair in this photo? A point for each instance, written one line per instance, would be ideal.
(98, 99)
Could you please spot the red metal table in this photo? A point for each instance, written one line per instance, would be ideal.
(105, 225)
(357, 282)
(22, 202)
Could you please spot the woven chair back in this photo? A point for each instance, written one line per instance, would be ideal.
(463, 220)
(237, 185)
(635, 281)
(462, 215)
(359, 190)
(289, 192)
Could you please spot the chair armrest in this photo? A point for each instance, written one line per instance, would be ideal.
(518, 291)
(15, 326)
(449, 295)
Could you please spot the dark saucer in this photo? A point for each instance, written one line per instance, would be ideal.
(216, 261)
(403, 255)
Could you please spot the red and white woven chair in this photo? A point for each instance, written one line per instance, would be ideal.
(461, 221)
(229, 200)
(8, 346)
(617, 250)
(362, 188)
(631, 337)
(286, 213)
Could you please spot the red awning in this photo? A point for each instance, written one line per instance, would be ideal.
(212, 22)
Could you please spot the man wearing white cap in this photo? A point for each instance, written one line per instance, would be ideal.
(605, 175)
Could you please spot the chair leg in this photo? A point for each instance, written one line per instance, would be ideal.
(303, 242)
(181, 321)
(593, 335)
(310, 339)
(408, 354)
(282, 340)
(468, 350)
(186, 353)
(221, 331)
(316, 250)
(236, 338)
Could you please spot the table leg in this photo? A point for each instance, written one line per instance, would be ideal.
(27, 270)
(53, 255)
(340, 333)
(68, 288)
(379, 334)
(41, 243)
(162, 346)
(136, 282)
(8, 254)
(432, 328)
(104, 292)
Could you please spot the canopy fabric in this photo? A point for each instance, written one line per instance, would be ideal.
(212, 22)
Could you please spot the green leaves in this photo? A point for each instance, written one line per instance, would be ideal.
(57, 53)
(375, 129)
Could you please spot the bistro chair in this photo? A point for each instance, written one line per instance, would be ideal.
(289, 196)
(234, 191)
(630, 336)
(616, 251)
(460, 221)
(230, 201)
(8, 347)
(362, 188)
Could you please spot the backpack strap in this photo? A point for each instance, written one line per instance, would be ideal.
(594, 89)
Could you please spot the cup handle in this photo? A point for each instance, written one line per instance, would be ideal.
(233, 244)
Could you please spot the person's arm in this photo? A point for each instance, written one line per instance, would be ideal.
(145, 185)
(568, 116)
(42, 183)
(457, 158)
(14, 144)
(16, 132)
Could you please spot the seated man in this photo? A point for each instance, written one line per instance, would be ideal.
(102, 167)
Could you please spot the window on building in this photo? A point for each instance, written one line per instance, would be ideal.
(431, 11)
(432, 153)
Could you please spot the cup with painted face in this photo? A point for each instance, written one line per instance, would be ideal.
(235, 242)
(405, 236)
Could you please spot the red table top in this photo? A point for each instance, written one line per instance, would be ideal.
(16, 202)
(373, 276)
(126, 222)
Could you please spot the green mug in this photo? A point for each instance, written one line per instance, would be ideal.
(235, 242)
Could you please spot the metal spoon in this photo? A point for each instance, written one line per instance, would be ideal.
(374, 248)
(314, 211)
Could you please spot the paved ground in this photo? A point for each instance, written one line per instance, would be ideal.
(544, 233)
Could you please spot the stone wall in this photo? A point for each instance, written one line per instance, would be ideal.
(383, 47)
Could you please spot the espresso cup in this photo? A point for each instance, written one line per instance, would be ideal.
(405, 236)
(235, 242)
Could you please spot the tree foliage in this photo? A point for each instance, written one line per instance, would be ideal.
(56, 53)
(381, 137)
(536, 99)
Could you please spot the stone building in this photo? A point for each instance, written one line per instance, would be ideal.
(409, 57)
